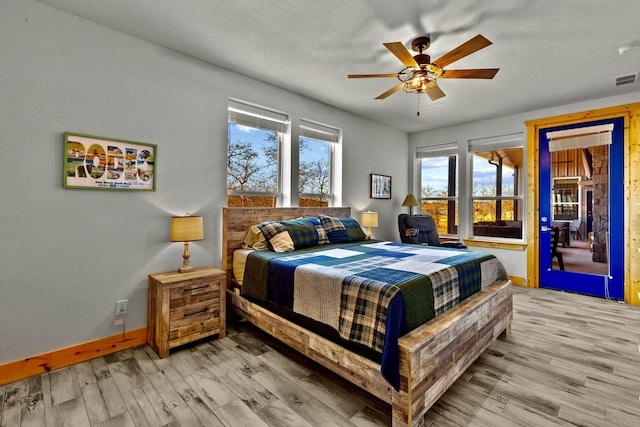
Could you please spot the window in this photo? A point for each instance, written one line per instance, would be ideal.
(439, 186)
(255, 139)
(566, 198)
(497, 187)
(317, 146)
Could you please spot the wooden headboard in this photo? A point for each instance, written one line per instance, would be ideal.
(236, 221)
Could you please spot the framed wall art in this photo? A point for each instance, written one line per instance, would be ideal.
(380, 187)
(94, 162)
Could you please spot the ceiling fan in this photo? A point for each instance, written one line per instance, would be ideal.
(421, 75)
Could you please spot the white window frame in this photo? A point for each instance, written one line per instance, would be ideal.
(259, 117)
(309, 129)
(440, 150)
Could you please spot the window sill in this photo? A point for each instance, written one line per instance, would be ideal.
(447, 238)
(499, 244)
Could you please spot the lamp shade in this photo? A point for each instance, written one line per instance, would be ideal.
(369, 219)
(410, 200)
(186, 228)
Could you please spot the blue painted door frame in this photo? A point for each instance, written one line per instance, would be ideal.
(611, 285)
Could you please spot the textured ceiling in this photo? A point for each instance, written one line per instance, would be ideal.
(549, 52)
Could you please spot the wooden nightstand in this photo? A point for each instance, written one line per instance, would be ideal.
(184, 307)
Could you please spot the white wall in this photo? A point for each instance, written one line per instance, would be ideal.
(66, 256)
(515, 261)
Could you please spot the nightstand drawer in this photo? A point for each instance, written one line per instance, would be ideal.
(198, 293)
(196, 319)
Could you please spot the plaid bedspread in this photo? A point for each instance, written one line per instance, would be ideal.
(371, 293)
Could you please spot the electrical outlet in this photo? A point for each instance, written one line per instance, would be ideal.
(118, 321)
(121, 307)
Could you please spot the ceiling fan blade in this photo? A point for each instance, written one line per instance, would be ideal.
(475, 73)
(390, 91)
(402, 54)
(371, 76)
(435, 93)
(466, 48)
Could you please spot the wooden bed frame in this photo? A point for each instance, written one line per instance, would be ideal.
(432, 356)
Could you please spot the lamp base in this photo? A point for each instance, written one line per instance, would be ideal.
(186, 268)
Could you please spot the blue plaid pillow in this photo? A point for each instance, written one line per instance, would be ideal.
(323, 239)
(277, 236)
(302, 231)
(342, 230)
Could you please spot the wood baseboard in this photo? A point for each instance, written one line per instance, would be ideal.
(518, 281)
(46, 362)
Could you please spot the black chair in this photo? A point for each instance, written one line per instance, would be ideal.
(555, 253)
(421, 229)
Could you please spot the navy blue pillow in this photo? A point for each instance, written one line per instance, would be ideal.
(342, 230)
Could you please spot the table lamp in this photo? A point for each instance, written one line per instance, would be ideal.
(369, 219)
(186, 229)
(410, 201)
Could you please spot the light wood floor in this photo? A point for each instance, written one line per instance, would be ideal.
(571, 360)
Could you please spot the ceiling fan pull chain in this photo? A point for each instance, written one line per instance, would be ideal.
(418, 108)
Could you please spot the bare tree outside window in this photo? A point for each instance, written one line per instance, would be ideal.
(255, 168)
(252, 167)
(314, 176)
(495, 193)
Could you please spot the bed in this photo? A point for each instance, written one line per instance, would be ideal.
(430, 357)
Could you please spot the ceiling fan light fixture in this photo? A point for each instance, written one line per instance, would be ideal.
(418, 81)
(418, 84)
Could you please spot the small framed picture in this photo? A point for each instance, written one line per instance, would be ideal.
(380, 187)
(95, 162)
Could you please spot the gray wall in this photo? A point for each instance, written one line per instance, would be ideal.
(66, 256)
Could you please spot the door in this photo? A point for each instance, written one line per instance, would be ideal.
(581, 185)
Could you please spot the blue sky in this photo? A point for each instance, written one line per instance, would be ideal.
(257, 138)
(435, 173)
(318, 150)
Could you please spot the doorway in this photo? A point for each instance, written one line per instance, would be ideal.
(581, 199)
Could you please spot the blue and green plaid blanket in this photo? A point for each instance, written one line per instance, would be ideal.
(371, 292)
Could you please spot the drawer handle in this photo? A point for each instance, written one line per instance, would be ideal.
(195, 289)
(204, 310)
